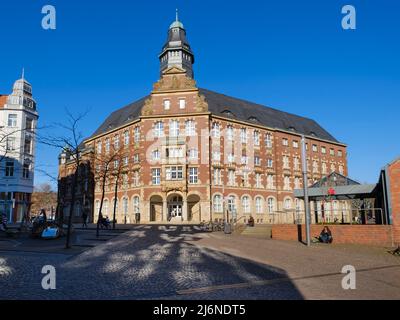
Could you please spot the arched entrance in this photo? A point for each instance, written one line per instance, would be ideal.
(156, 207)
(175, 207)
(194, 209)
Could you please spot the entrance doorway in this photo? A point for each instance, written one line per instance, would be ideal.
(175, 205)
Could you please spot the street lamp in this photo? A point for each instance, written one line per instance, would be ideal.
(305, 188)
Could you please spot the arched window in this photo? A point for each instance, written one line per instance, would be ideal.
(246, 204)
(288, 204)
(97, 206)
(105, 207)
(259, 208)
(297, 205)
(271, 205)
(231, 203)
(136, 203)
(125, 206)
(217, 203)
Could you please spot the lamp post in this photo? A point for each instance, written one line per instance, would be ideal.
(305, 188)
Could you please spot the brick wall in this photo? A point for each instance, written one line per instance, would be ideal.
(379, 235)
(394, 176)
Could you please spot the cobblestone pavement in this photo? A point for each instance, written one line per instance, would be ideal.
(167, 262)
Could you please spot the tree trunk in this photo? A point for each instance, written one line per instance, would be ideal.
(71, 209)
(115, 200)
(103, 190)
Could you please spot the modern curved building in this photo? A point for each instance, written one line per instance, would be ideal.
(183, 153)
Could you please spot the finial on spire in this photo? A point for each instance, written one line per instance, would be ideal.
(177, 15)
(23, 73)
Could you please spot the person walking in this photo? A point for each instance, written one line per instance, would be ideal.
(84, 219)
(3, 222)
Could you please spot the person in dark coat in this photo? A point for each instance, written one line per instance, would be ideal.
(325, 235)
(84, 219)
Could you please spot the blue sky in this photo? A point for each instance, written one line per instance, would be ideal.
(290, 55)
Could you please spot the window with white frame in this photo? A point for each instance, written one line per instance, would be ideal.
(271, 205)
(99, 147)
(244, 160)
(295, 144)
(259, 207)
(125, 206)
(12, 120)
(10, 143)
(230, 133)
(315, 166)
(243, 135)
(182, 103)
(136, 158)
(270, 163)
(193, 175)
(174, 128)
(126, 138)
(297, 184)
(340, 153)
(217, 176)
(193, 154)
(287, 204)
(270, 181)
(231, 177)
(256, 138)
(323, 150)
(167, 104)
(125, 180)
(136, 204)
(190, 128)
(116, 142)
(217, 203)
(245, 178)
(136, 178)
(332, 152)
(108, 145)
(258, 180)
(257, 160)
(314, 148)
(105, 207)
(156, 176)
(296, 163)
(246, 204)
(174, 173)
(232, 203)
(324, 168)
(268, 140)
(333, 168)
(215, 131)
(159, 129)
(286, 183)
(126, 161)
(156, 155)
(231, 158)
(136, 136)
(286, 162)
(341, 171)
(285, 142)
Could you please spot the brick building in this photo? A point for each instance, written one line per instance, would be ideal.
(191, 154)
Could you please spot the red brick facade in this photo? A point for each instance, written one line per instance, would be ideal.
(394, 183)
(377, 235)
(203, 147)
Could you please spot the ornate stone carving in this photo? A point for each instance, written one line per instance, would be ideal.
(201, 104)
(147, 109)
(174, 79)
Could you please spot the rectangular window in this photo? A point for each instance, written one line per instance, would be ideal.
(229, 133)
(323, 150)
(9, 168)
(193, 154)
(99, 147)
(193, 175)
(270, 163)
(215, 132)
(136, 178)
(10, 143)
(332, 152)
(126, 138)
(126, 161)
(231, 177)
(256, 138)
(174, 128)
(268, 140)
(257, 161)
(285, 142)
(286, 162)
(159, 129)
(12, 120)
(295, 144)
(340, 153)
(231, 158)
(156, 155)
(167, 104)
(137, 134)
(29, 124)
(108, 145)
(174, 173)
(116, 142)
(270, 181)
(216, 156)
(156, 176)
(243, 135)
(315, 148)
(136, 158)
(25, 171)
(190, 128)
(258, 180)
(217, 177)
(182, 103)
(28, 146)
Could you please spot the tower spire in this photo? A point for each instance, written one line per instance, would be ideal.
(23, 73)
(177, 18)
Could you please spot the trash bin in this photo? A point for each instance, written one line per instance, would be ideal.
(228, 228)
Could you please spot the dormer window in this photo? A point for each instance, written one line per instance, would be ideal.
(228, 113)
(253, 119)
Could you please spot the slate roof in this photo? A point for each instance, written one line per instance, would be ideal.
(229, 107)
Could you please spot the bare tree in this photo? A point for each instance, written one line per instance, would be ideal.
(72, 144)
(108, 165)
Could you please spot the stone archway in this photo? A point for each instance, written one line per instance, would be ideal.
(175, 207)
(194, 208)
(156, 208)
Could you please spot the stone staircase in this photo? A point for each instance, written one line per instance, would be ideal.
(263, 231)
